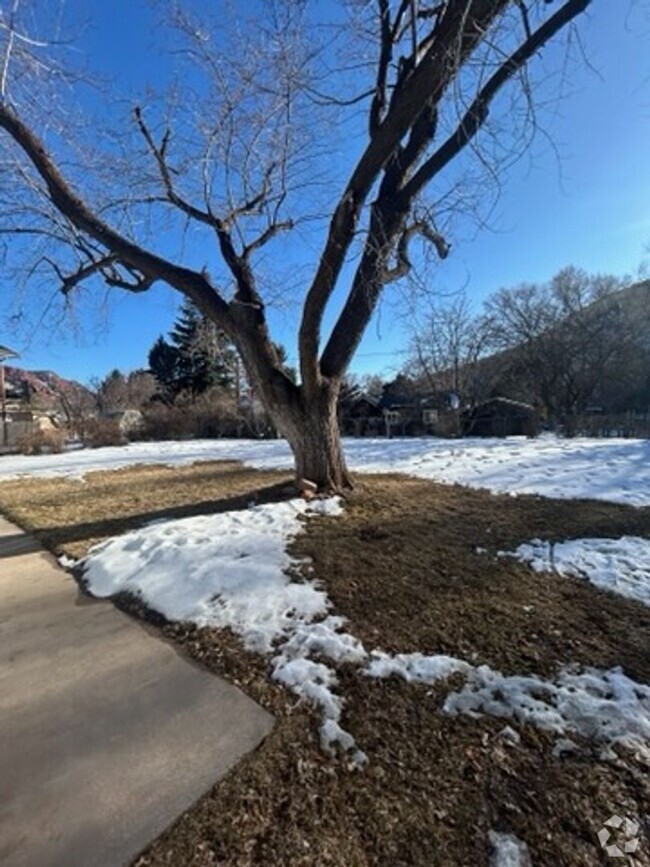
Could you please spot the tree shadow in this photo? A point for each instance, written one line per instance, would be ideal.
(17, 544)
(57, 537)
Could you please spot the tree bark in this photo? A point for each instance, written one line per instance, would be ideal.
(311, 427)
(307, 417)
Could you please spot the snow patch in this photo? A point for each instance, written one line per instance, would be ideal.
(316, 681)
(416, 666)
(604, 706)
(230, 570)
(226, 570)
(508, 851)
(621, 566)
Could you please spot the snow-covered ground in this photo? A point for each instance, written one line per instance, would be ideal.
(619, 565)
(76, 464)
(616, 470)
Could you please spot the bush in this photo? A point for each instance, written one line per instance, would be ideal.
(100, 432)
(42, 442)
(448, 425)
(210, 415)
(163, 422)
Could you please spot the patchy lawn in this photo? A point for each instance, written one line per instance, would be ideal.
(402, 565)
(69, 515)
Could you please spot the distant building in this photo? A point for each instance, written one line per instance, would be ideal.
(361, 416)
(400, 413)
(500, 417)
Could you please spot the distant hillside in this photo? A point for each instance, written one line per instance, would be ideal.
(44, 389)
(635, 299)
(550, 351)
(598, 356)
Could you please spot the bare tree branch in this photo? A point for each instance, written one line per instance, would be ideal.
(390, 210)
(524, 17)
(9, 48)
(152, 266)
(417, 88)
(269, 233)
(477, 113)
(165, 174)
(379, 100)
(403, 266)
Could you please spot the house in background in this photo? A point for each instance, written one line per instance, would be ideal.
(21, 423)
(420, 414)
(16, 420)
(501, 417)
(405, 410)
(29, 409)
(360, 415)
(401, 410)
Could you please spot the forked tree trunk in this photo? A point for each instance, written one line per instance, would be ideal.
(312, 428)
(306, 417)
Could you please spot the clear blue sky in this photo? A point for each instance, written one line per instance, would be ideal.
(591, 208)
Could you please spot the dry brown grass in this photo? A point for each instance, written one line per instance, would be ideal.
(402, 566)
(69, 516)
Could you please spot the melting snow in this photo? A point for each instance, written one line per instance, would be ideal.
(416, 666)
(230, 570)
(224, 570)
(604, 706)
(508, 851)
(619, 565)
(607, 469)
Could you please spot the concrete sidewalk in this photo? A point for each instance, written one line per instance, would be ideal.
(106, 733)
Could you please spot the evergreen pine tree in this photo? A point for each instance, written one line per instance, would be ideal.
(199, 356)
(163, 364)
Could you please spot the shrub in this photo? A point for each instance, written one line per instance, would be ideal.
(164, 422)
(100, 432)
(209, 415)
(42, 442)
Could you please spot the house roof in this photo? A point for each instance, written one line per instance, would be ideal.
(494, 402)
(415, 401)
(5, 352)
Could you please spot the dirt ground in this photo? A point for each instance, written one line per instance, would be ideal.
(402, 565)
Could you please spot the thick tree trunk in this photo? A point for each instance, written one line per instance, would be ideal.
(306, 416)
(312, 428)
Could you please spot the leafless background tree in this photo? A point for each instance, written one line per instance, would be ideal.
(569, 343)
(576, 347)
(447, 347)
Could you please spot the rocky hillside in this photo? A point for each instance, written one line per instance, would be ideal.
(43, 389)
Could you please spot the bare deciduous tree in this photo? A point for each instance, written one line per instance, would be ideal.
(562, 341)
(117, 391)
(242, 175)
(447, 348)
